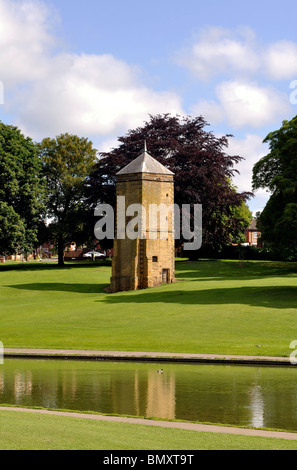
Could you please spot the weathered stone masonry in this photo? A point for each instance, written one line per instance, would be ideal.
(145, 262)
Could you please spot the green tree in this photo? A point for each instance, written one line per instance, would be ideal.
(277, 172)
(67, 161)
(242, 217)
(21, 191)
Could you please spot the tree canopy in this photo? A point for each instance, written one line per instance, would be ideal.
(21, 191)
(67, 161)
(277, 172)
(199, 160)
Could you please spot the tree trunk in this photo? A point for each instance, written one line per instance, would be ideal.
(60, 251)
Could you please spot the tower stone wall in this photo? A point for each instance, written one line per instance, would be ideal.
(147, 260)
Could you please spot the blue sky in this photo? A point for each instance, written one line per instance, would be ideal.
(97, 68)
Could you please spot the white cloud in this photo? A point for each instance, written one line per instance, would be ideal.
(93, 95)
(25, 41)
(251, 148)
(89, 94)
(210, 110)
(56, 92)
(281, 60)
(244, 104)
(247, 104)
(237, 57)
(239, 53)
(220, 51)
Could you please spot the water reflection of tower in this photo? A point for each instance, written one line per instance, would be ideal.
(69, 384)
(161, 395)
(22, 385)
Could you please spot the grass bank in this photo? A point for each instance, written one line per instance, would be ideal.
(25, 431)
(215, 307)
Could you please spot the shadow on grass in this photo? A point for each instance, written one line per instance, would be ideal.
(51, 265)
(226, 269)
(281, 297)
(61, 287)
(271, 297)
(268, 296)
(196, 270)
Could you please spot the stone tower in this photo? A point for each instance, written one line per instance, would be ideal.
(146, 260)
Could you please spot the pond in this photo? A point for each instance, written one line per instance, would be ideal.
(228, 394)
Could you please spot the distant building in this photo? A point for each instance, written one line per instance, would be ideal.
(253, 235)
(144, 262)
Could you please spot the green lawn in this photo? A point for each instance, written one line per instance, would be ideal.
(25, 431)
(215, 307)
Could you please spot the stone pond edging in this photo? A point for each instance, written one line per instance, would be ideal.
(138, 356)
